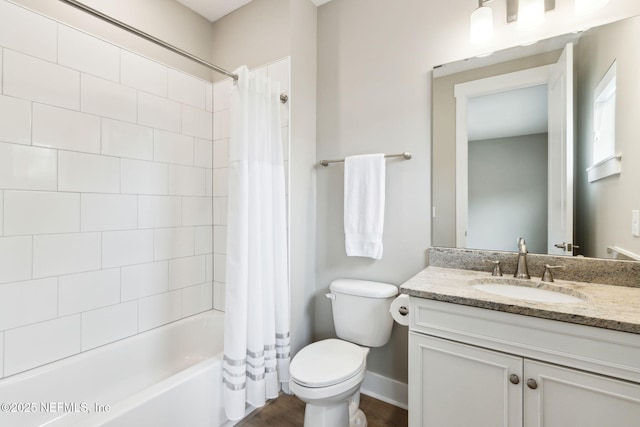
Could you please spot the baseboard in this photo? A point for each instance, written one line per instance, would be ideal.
(386, 389)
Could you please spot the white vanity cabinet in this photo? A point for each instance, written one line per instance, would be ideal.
(475, 367)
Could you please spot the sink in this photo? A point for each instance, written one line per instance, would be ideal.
(529, 291)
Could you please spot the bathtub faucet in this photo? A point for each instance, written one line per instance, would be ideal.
(522, 272)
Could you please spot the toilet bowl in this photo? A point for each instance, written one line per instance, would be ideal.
(327, 374)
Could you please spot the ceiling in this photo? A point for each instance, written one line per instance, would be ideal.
(216, 9)
(509, 113)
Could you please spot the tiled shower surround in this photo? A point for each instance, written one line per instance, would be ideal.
(113, 186)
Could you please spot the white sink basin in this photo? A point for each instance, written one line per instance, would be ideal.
(524, 292)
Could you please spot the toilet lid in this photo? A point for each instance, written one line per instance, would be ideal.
(326, 362)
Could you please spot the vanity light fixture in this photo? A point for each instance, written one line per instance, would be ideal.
(481, 29)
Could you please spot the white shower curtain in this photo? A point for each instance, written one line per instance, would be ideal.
(257, 325)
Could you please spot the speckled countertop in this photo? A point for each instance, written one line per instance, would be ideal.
(603, 306)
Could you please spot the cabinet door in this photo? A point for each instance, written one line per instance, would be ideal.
(456, 385)
(564, 397)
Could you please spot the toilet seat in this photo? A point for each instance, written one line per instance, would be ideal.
(326, 363)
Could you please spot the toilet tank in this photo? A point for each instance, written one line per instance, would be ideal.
(361, 311)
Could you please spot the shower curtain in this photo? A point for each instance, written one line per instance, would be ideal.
(257, 325)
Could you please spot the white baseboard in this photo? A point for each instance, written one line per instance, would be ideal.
(386, 389)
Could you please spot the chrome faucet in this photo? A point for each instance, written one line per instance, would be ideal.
(522, 272)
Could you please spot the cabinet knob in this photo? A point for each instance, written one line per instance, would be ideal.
(514, 379)
(532, 384)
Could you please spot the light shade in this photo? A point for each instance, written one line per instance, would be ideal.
(481, 25)
(530, 14)
(586, 6)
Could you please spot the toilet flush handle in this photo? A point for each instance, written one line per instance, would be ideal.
(330, 296)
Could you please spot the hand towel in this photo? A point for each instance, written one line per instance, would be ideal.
(364, 178)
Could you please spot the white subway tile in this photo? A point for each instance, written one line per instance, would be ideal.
(197, 211)
(219, 268)
(1, 212)
(186, 181)
(143, 280)
(24, 303)
(219, 290)
(140, 177)
(221, 124)
(169, 147)
(88, 291)
(196, 299)
(196, 122)
(108, 99)
(18, 32)
(222, 95)
(109, 324)
(159, 211)
(208, 267)
(203, 153)
(159, 113)
(220, 239)
(220, 211)
(204, 240)
(57, 254)
(220, 182)
(209, 97)
(187, 89)
(41, 343)
(208, 182)
(126, 248)
(15, 258)
(88, 173)
(66, 129)
(31, 78)
(37, 212)
(159, 310)
(144, 74)
(187, 271)
(88, 54)
(122, 139)
(221, 154)
(173, 242)
(107, 212)
(15, 119)
(28, 168)
(279, 72)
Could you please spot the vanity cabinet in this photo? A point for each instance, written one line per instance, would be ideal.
(475, 367)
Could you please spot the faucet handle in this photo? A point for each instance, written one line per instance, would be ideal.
(547, 276)
(497, 271)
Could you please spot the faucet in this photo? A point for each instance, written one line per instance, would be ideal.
(522, 272)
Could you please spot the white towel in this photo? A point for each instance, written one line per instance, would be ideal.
(364, 205)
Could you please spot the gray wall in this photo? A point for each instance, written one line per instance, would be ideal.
(508, 193)
(603, 213)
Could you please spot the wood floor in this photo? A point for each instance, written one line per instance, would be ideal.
(288, 411)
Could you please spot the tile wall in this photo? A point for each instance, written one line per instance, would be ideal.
(112, 183)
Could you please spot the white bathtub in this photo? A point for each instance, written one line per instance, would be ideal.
(169, 376)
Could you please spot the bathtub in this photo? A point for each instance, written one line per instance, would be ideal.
(170, 376)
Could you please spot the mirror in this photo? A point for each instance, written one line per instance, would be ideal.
(497, 177)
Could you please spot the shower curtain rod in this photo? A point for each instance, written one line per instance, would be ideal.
(96, 13)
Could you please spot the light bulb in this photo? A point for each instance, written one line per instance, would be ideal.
(481, 28)
(530, 14)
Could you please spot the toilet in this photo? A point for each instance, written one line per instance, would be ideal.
(327, 374)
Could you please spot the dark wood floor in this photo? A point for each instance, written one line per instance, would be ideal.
(288, 411)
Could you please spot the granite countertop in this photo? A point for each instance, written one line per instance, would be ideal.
(603, 306)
